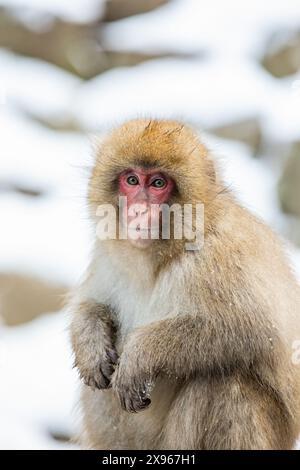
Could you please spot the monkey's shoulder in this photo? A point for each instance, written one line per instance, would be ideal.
(239, 235)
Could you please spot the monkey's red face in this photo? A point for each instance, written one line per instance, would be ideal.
(145, 191)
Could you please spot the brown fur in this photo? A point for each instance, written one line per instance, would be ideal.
(218, 372)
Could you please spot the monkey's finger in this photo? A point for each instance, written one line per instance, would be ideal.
(133, 402)
(102, 380)
(145, 403)
(122, 401)
(112, 355)
(138, 404)
(90, 382)
(107, 369)
(131, 405)
(126, 400)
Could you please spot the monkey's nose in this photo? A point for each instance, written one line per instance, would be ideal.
(140, 209)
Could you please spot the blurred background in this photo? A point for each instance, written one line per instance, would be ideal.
(71, 69)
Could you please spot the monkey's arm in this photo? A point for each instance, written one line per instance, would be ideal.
(185, 345)
(93, 336)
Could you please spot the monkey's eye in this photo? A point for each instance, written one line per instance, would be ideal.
(133, 180)
(158, 183)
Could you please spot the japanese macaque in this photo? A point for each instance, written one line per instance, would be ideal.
(183, 348)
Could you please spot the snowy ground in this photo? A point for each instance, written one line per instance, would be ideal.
(38, 386)
(49, 236)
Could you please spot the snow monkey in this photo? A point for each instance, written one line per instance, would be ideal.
(181, 348)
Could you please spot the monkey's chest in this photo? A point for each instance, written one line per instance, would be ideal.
(136, 308)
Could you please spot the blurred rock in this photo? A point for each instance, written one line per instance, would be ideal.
(289, 185)
(23, 298)
(74, 47)
(292, 230)
(118, 9)
(247, 131)
(60, 123)
(8, 186)
(60, 437)
(283, 55)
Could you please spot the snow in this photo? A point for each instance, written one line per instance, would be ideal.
(47, 239)
(227, 27)
(38, 386)
(227, 85)
(208, 93)
(282, 114)
(49, 236)
(250, 179)
(38, 155)
(36, 86)
(294, 255)
(43, 236)
(75, 10)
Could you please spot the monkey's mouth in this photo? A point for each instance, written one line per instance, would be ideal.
(139, 230)
(143, 232)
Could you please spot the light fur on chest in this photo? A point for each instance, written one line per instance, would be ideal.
(136, 299)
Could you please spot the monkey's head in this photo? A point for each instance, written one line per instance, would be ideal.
(145, 167)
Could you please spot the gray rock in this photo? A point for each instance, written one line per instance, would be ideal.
(282, 57)
(118, 9)
(289, 185)
(292, 230)
(24, 298)
(247, 131)
(77, 48)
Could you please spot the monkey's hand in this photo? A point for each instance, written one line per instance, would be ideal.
(93, 345)
(97, 366)
(132, 382)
